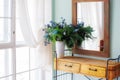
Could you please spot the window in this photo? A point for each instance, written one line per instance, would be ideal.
(17, 61)
(5, 21)
(6, 62)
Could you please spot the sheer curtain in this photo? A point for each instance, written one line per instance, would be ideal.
(33, 15)
(92, 14)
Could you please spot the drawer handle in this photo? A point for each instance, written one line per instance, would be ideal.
(70, 66)
(92, 69)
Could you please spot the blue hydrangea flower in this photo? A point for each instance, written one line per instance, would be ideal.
(54, 32)
(81, 24)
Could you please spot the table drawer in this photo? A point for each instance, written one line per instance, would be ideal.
(93, 70)
(68, 67)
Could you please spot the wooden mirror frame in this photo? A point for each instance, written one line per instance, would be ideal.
(106, 52)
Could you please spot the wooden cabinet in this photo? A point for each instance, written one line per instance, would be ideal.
(87, 66)
(68, 66)
(93, 70)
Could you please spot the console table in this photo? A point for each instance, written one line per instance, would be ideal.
(108, 69)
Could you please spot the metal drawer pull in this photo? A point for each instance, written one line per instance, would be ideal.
(70, 66)
(92, 69)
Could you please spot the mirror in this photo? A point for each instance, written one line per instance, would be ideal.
(94, 13)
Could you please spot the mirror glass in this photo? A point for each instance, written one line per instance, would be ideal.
(92, 14)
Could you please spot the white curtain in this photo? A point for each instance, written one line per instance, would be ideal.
(33, 15)
(92, 14)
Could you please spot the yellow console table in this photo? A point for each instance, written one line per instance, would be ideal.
(88, 66)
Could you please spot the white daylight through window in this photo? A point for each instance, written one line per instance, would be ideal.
(23, 55)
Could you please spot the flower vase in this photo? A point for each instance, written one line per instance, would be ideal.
(60, 46)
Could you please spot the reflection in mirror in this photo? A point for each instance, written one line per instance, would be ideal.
(96, 14)
(92, 14)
